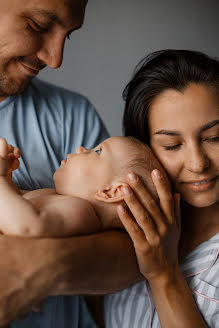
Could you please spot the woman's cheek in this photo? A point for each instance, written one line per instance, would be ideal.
(170, 163)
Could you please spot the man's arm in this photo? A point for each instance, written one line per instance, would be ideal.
(95, 264)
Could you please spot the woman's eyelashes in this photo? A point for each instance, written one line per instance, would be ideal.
(172, 147)
(212, 139)
(98, 151)
(177, 146)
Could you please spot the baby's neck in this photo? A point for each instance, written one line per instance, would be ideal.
(107, 214)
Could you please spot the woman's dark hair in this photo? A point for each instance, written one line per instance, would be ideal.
(160, 71)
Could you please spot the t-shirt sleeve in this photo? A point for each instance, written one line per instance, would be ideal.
(82, 126)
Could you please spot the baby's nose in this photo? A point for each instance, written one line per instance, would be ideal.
(80, 150)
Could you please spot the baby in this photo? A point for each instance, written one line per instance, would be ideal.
(88, 188)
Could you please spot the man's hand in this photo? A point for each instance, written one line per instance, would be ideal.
(35, 268)
(24, 275)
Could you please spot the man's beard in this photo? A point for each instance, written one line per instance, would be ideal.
(10, 87)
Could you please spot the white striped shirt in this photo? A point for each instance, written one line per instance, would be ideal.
(134, 307)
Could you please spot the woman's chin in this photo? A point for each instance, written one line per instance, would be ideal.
(201, 200)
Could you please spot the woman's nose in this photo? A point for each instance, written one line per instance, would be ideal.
(81, 149)
(197, 160)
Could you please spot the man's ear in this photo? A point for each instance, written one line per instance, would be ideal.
(112, 194)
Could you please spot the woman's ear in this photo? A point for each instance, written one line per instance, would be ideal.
(112, 194)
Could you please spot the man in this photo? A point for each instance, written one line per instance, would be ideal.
(47, 123)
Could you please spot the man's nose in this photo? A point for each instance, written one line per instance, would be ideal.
(197, 160)
(81, 149)
(51, 52)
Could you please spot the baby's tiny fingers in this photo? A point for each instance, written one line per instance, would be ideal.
(17, 152)
(3, 148)
(15, 164)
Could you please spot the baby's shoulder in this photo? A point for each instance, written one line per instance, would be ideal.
(42, 197)
(29, 194)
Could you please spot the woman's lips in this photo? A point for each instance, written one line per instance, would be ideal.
(199, 186)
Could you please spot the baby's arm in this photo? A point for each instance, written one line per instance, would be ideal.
(61, 217)
(17, 215)
(67, 217)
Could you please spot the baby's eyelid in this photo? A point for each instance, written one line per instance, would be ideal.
(99, 150)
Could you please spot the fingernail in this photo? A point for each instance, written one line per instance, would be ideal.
(156, 173)
(120, 209)
(126, 191)
(132, 177)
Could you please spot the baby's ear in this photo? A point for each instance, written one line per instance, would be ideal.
(112, 194)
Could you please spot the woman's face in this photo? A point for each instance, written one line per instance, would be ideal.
(184, 134)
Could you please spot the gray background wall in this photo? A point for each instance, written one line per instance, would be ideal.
(100, 58)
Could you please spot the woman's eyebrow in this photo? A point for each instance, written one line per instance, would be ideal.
(205, 127)
(209, 125)
(168, 132)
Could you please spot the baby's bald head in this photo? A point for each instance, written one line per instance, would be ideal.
(142, 162)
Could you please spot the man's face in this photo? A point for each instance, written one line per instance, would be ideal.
(32, 36)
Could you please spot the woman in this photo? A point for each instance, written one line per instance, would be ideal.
(172, 103)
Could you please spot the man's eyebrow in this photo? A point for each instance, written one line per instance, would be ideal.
(177, 133)
(51, 15)
(46, 13)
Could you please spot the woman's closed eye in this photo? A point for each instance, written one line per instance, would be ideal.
(98, 151)
(172, 147)
(177, 146)
(211, 139)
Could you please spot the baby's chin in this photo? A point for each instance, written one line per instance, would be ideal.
(58, 182)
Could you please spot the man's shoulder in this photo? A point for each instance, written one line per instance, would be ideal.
(48, 90)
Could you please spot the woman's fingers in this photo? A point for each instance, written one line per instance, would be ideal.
(146, 201)
(165, 195)
(136, 234)
(141, 215)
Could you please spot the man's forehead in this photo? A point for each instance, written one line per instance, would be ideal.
(72, 10)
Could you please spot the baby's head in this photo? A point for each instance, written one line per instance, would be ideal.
(98, 175)
(99, 172)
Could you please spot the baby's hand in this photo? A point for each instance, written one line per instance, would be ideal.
(9, 158)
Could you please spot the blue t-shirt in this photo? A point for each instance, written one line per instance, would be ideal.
(47, 122)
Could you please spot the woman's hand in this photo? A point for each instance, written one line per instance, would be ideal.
(155, 230)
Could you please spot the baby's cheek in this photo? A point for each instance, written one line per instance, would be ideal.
(84, 172)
